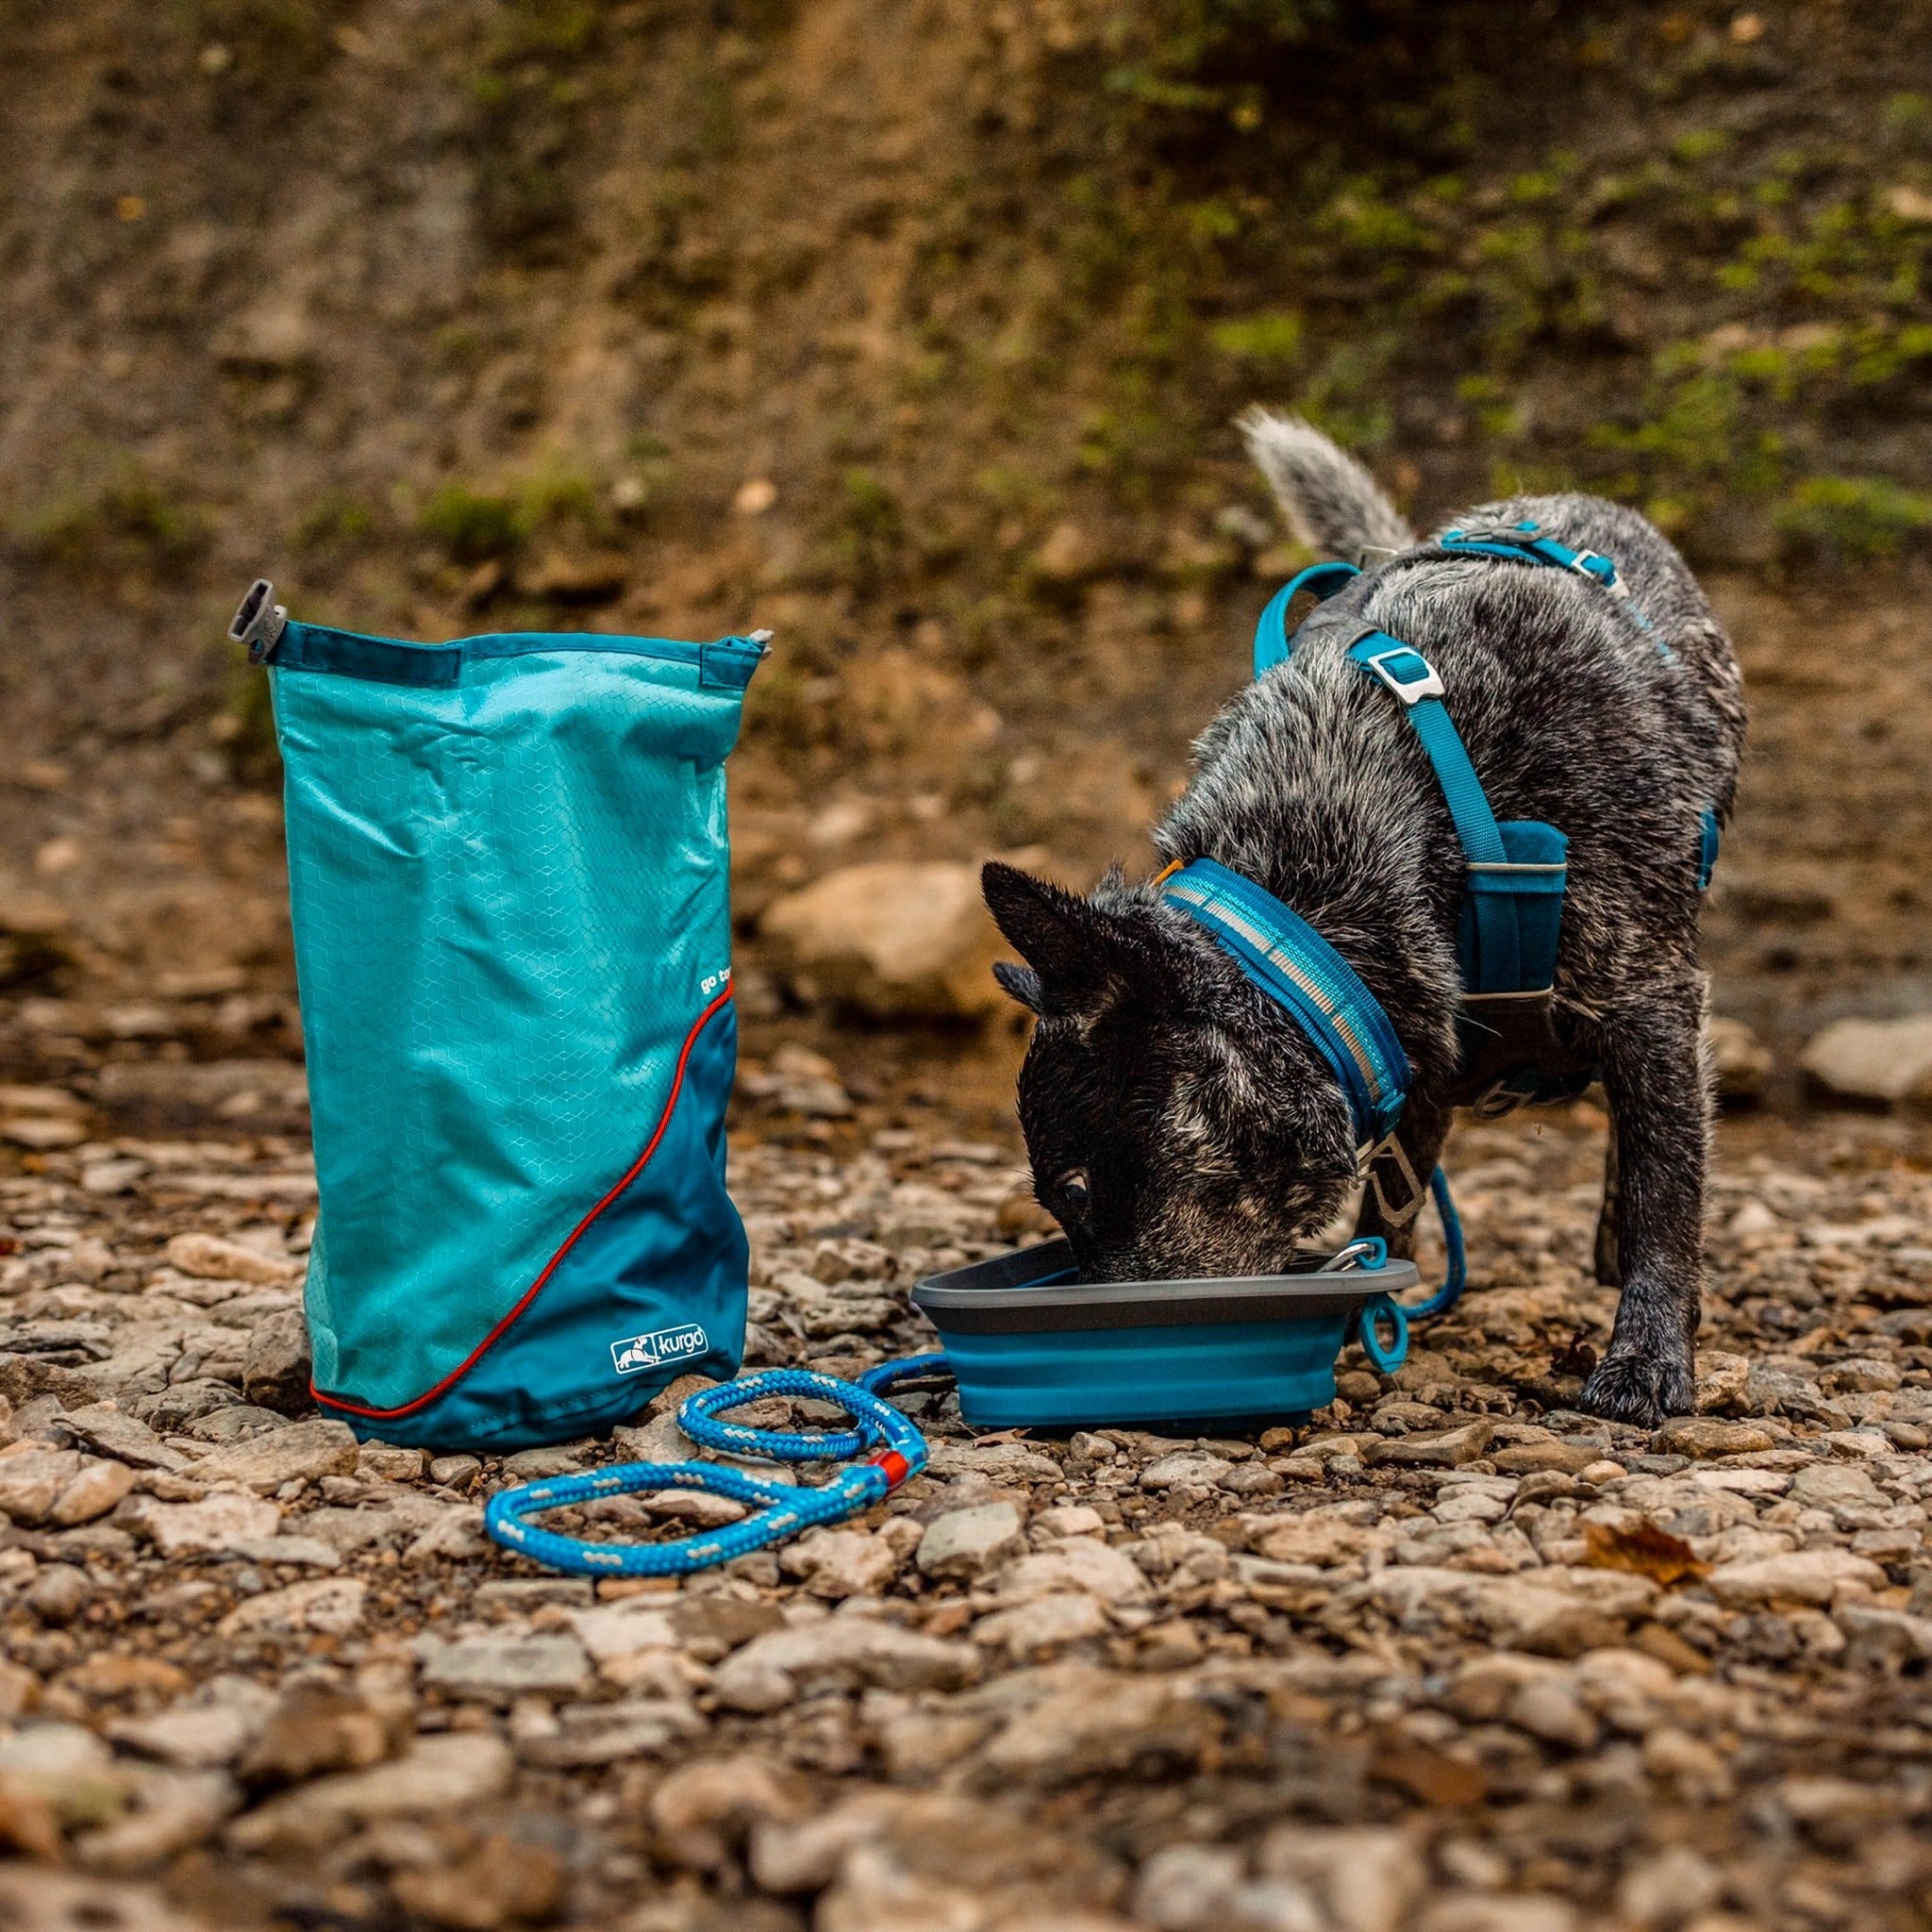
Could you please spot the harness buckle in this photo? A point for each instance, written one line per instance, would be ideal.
(1413, 689)
(259, 621)
(1606, 579)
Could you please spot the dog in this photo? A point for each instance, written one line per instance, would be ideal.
(1180, 1124)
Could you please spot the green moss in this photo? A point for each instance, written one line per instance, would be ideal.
(525, 123)
(1850, 520)
(476, 526)
(123, 520)
(335, 521)
(1274, 339)
(871, 530)
(1908, 117)
(1701, 144)
(472, 525)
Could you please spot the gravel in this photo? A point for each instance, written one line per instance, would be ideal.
(1449, 1655)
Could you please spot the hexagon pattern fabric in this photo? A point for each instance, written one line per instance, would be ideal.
(509, 876)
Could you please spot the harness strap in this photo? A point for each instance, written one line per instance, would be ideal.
(1527, 543)
(1415, 682)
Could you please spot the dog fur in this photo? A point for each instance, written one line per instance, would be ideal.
(1180, 1124)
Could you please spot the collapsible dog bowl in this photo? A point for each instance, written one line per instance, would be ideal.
(1031, 1345)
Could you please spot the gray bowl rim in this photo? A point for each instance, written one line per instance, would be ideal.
(984, 1297)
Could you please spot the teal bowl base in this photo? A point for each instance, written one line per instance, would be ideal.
(1224, 1371)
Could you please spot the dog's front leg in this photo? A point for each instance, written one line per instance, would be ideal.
(1660, 1116)
(1610, 1270)
(1425, 1128)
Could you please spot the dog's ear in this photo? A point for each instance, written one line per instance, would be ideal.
(1078, 955)
(1022, 982)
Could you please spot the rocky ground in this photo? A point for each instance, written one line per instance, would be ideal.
(1450, 1657)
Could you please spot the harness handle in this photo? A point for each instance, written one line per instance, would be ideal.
(1272, 642)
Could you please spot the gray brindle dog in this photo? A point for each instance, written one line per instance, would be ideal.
(1180, 1124)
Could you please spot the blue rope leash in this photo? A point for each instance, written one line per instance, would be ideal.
(782, 1509)
(1456, 1277)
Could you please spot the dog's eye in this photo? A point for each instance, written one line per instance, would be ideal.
(1073, 1192)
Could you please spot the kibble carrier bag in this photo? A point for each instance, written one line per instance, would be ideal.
(507, 873)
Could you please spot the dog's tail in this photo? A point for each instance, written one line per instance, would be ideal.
(1332, 504)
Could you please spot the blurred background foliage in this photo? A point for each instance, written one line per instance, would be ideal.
(916, 333)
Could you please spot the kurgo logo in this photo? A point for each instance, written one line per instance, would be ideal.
(660, 1349)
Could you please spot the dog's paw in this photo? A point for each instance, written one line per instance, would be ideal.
(1641, 1388)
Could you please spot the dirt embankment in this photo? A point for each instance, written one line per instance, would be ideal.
(915, 336)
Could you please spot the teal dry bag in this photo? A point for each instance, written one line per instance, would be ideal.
(509, 879)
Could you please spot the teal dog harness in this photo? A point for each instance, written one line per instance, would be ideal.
(1516, 873)
(508, 875)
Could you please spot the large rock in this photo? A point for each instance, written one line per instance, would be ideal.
(962, 1543)
(302, 1450)
(497, 1668)
(177, 1811)
(842, 1562)
(1369, 1877)
(1701, 1436)
(1874, 1059)
(895, 938)
(59, 1486)
(213, 1256)
(221, 1522)
(1046, 1624)
(103, 1426)
(1803, 1576)
(1438, 1449)
(449, 1773)
(841, 1653)
(205, 1732)
(1741, 1062)
(276, 1370)
(1096, 1722)
(24, 1376)
(1078, 1567)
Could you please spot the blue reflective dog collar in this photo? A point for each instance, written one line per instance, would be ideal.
(1299, 970)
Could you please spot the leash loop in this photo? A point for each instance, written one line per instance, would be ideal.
(1383, 1309)
(782, 1508)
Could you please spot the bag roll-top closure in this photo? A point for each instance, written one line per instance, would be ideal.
(727, 663)
(273, 638)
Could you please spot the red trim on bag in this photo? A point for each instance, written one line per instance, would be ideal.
(536, 1288)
